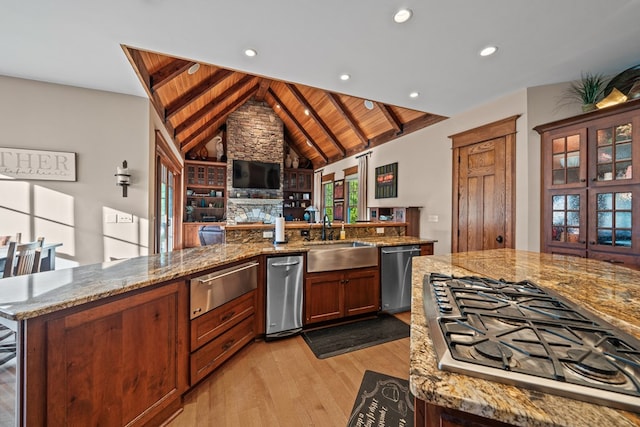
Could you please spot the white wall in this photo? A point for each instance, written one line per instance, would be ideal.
(425, 164)
(103, 129)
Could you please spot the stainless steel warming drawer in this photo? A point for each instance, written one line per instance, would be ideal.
(212, 290)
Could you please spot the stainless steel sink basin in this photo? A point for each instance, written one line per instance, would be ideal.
(341, 256)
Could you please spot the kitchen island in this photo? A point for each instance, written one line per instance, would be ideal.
(608, 291)
(109, 344)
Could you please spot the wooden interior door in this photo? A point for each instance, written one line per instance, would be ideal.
(484, 178)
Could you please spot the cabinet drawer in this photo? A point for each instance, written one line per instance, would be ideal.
(210, 356)
(210, 325)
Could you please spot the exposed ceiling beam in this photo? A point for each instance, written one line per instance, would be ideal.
(239, 86)
(347, 117)
(283, 109)
(314, 115)
(218, 120)
(170, 71)
(391, 118)
(136, 59)
(195, 93)
(262, 90)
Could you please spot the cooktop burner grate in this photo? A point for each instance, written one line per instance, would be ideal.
(519, 333)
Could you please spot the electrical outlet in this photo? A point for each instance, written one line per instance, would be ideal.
(432, 218)
(380, 230)
(267, 234)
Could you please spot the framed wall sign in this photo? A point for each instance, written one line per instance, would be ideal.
(387, 181)
(17, 163)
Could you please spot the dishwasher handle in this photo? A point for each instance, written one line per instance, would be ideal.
(284, 264)
(244, 267)
(405, 251)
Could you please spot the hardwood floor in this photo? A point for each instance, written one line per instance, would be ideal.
(282, 383)
(278, 383)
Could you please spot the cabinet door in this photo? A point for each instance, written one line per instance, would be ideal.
(614, 227)
(612, 152)
(565, 158)
(118, 363)
(565, 222)
(323, 297)
(361, 292)
(293, 181)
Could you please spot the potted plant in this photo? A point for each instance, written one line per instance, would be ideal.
(588, 90)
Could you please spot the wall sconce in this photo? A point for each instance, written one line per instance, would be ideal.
(123, 177)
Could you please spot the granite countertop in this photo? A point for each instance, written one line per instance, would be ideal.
(610, 292)
(34, 295)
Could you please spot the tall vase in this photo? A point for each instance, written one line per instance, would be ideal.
(287, 161)
(296, 162)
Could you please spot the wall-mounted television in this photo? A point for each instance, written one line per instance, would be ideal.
(253, 174)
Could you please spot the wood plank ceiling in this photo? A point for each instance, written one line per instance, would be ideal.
(320, 126)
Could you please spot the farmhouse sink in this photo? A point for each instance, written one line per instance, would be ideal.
(341, 256)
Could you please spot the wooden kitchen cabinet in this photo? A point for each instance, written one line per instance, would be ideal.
(337, 294)
(429, 415)
(297, 189)
(220, 333)
(120, 362)
(205, 188)
(591, 185)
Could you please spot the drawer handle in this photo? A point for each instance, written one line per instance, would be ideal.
(237, 270)
(227, 345)
(228, 316)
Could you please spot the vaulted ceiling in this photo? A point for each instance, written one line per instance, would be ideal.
(321, 126)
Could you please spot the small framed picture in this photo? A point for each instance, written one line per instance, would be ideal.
(387, 181)
(338, 189)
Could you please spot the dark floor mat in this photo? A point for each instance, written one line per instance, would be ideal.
(382, 401)
(335, 340)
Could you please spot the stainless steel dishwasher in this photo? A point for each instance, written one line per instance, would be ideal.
(396, 277)
(284, 296)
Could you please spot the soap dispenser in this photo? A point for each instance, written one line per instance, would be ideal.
(342, 233)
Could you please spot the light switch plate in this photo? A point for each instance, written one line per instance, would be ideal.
(432, 218)
(122, 217)
(111, 218)
(380, 230)
(267, 234)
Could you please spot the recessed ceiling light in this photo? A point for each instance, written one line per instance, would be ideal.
(309, 143)
(368, 104)
(402, 16)
(414, 94)
(489, 50)
(306, 111)
(250, 52)
(194, 68)
(345, 77)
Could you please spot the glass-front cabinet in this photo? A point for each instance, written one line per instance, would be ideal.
(568, 154)
(591, 195)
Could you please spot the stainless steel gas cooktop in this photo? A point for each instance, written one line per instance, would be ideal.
(520, 334)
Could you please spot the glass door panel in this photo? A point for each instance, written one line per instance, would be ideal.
(614, 219)
(566, 160)
(614, 153)
(566, 218)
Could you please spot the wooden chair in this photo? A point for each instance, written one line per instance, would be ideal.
(23, 258)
